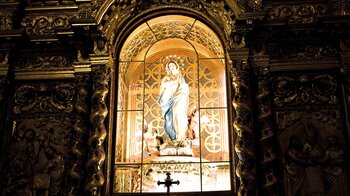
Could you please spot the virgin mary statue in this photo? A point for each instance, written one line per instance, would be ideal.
(174, 98)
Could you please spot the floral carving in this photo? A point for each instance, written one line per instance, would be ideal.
(39, 62)
(296, 14)
(42, 25)
(303, 52)
(305, 89)
(44, 98)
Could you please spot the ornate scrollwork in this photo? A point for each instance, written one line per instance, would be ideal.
(96, 157)
(40, 62)
(305, 89)
(266, 131)
(296, 14)
(42, 25)
(302, 53)
(44, 98)
(244, 143)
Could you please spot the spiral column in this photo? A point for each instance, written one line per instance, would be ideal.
(267, 155)
(99, 111)
(242, 124)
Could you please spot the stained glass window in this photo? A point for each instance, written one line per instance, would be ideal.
(172, 109)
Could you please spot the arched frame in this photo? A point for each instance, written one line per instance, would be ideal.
(120, 39)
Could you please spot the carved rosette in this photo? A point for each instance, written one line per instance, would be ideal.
(244, 141)
(44, 98)
(266, 131)
(96, 154)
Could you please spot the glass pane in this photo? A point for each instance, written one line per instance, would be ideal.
(216, 176)
(130, 86)
(187, 174)
(212, 83)
(214, 135)
(127, 179)
(129, 137)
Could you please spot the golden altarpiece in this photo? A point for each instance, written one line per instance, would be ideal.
(228, 97)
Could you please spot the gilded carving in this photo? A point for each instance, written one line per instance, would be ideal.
(96, 152)
(121, 10)
(40, 62)
(226, 16)
(340, 7)
(37, 156)
(296, 14)
(266, 136)
(81, 130)
(42, 25)
(250, 5)
(244, 142)
(5, 22)
(313, 145)
(305, 52)
(44, 98)
(305, 89)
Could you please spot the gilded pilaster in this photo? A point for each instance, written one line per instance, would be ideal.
(243, 127)
(265, 132)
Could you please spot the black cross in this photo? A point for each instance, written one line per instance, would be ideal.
(168, 182)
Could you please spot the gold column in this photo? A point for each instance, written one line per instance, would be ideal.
(243, 122)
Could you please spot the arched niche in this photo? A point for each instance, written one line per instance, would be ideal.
(139, 161)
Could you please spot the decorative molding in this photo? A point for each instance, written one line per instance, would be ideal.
(303, 52)
(45, 25)
(305, 89)
(296, 13)
(44, 98)
(42, 62)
